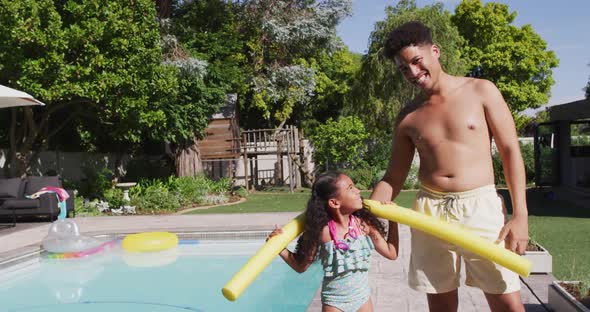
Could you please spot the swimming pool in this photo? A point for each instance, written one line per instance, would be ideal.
(188, 278)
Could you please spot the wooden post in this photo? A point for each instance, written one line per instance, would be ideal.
(279, 172)
(255, 135)
(246, 161)
(289, 163)
(295, 155)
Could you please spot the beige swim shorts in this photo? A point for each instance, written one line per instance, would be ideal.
(435, 265)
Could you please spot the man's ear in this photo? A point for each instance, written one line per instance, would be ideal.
(435, 51)
(334, 203)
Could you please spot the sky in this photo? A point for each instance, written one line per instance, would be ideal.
(564, 25)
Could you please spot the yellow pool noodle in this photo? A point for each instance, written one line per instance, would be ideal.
(263, 257)
(452, 234)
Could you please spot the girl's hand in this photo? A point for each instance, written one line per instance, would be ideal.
(275, 232)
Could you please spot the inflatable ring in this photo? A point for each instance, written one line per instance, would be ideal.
(149, 241)
(82, 254)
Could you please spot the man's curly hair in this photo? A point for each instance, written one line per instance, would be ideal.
(409, 34)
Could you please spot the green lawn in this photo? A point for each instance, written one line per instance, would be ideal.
(558, 225)
(280, 202)
(562, 228)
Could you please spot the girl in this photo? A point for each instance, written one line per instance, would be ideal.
(342, 234)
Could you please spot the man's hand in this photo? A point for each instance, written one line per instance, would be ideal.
(515, 234)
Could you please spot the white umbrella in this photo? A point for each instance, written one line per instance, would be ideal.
(10, 97)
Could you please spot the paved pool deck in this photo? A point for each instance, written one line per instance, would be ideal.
(390, 291)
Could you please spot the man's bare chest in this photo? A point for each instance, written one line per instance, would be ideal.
(460, 122)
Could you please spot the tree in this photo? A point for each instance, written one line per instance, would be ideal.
(515, 59)
(379, 90)
(339, 143)
(280, 37)
(202, 41)
(95, 60)
(334, 75)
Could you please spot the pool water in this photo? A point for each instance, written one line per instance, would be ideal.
(188, 278)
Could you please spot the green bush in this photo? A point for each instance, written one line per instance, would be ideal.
(191, 189)
(241, 191)
(175, 192)
(411, 181)
(221, 186)
(378, 150)
(155, 198)
(364, 178)
(528, 157)
(84, 210)
(95, 183)
(195, 190)
(339, 143)
(114, 197)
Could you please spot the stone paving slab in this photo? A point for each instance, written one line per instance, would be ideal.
(390, 291)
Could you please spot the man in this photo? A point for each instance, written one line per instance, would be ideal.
(451, 124)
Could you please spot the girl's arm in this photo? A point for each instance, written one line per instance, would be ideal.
(299, 266)
(387, 248)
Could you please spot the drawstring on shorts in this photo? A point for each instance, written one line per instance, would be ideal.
(449, 205)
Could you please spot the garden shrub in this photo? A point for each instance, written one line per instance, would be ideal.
(362, 177)
(83, 207)
(528, 157)
(154, 198)
(339, 143)
(195, 190)
(190, 189)
(378, 150)
(95, 183)
(215, 199)
(221, 186)
(114, 196)
(176, 192)
(240, 191)
(411, 181)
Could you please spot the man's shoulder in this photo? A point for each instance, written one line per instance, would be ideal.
(481, 85)
(408, 108)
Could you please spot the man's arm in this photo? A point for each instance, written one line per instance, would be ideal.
(402, 154)
(501, 123)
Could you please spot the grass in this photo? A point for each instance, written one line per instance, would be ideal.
(284, 202)
(560, 226)
(567, 240)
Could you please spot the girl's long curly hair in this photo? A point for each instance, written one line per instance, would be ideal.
(317, 216)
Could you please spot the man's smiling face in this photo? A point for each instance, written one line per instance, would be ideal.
(419, 64)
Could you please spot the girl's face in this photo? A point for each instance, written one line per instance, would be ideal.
(349, 198)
